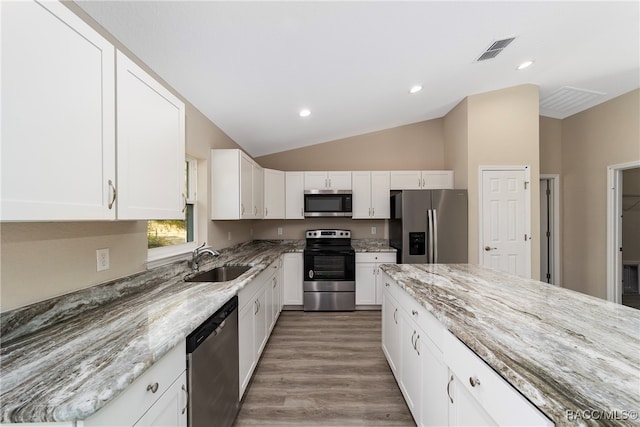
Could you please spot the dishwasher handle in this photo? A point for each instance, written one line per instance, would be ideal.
(212, 326)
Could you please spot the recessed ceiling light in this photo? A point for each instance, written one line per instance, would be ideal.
(525, 64)
(415, 89)
(304, 113)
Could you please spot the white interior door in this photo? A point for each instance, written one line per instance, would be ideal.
(505, 218)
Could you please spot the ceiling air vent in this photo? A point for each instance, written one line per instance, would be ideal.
(495, 48)
(567, 101)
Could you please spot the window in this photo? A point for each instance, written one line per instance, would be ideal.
(174, 237)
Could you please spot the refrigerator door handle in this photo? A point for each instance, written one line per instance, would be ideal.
(429, 237)
(435, 236)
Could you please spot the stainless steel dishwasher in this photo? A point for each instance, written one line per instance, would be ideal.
(212, 369)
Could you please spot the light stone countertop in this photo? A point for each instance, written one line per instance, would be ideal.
(64, 358)
(563, 350)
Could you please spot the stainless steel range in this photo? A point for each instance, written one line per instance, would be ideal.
(329, 271)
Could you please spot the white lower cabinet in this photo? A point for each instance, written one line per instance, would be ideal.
(292, 278)
(441, 379)
(368, 285)
(255, 320)
(157, 398)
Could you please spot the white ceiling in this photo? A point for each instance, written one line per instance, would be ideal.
(251, 66)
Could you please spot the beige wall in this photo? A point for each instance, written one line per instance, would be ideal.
(294, 229)
(503, 131)
(550, 145)
(604, 135)
(456, 149)
(631, 215)
(43, 260)
(416, 146)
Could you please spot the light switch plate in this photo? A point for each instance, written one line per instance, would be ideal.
(279, 231)
(373, 230)
(102, 259)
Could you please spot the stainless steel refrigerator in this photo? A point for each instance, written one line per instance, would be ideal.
(429, 226)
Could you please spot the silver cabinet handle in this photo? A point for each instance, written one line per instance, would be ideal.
(255, 210)
(266, 211)
(413, 344)
(275, 282)
(474, 381)
(394, 316)
(329, 182)
(414, 312)
(489, 248)
(152, 387)
(242, 208)
(186, 399)
(373, 211)
(386, 284)
(416, 345)
(301, 212)
(423, 183)
(114, 194)
(449, 385)
(255, 303)
(369, 211)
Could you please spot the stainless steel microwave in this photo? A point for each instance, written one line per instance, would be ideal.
(319, 203)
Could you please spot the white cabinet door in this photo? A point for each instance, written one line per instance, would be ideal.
(294, 198)
(464, 410)
(366, 283)
(274, 194)
(315, 180)
(380, 195)
(257, 191)
(261, 319)
(246, 345)
(339, 180)
(391, 329)
(437, 180)
(322, 180)
(411, 364)
(406, 180)
(361, 195)
(151, 146)
(58, 151)
(434, 404)
(292, 273)
(246, 187)
(170, 410)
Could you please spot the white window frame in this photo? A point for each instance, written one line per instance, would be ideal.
(167, 254)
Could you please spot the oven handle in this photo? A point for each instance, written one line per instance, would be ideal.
(328, 252)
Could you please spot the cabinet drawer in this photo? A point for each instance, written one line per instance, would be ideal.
(377, 257)
(497, 397)
(247, 294)
(135, 400)
(425, 320)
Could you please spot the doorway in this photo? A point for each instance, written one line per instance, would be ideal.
(623, 235)
(505, 219)
(550, 229)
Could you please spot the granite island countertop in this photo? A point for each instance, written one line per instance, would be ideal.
(563, 350)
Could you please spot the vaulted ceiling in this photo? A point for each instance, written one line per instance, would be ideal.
(250, 67)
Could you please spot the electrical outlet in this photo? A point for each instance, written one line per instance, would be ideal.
(102, 259)
(279, 231)
(229, 235)
(373, 230)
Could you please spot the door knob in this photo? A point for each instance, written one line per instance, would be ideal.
(489, 248)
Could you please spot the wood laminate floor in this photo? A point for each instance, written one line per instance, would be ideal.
(324, 369)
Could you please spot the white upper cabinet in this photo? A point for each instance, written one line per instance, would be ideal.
(294, 198)
(59, 125)
(274, 194)
(335, 180)
(151, 146)
(236, 185)
(371, 195)
(58, 115)
(421, 180)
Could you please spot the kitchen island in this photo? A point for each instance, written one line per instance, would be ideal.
(575, 357)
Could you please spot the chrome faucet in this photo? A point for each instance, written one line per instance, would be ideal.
(198, 253)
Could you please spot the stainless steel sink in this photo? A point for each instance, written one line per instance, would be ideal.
(219, 274)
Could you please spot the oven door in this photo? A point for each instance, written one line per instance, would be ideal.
(328, 270)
